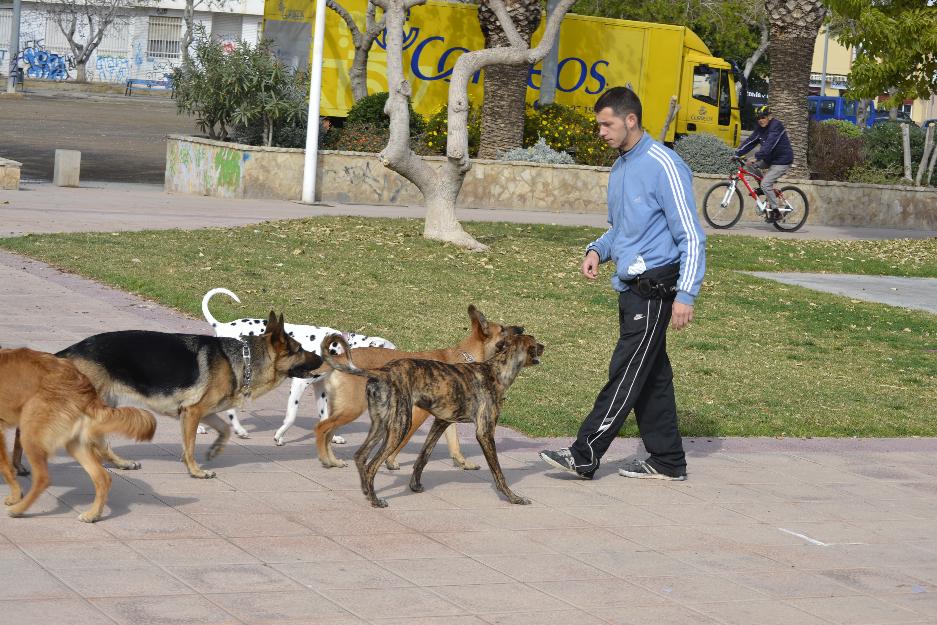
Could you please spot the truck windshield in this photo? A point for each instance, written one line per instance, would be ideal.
(706, 84)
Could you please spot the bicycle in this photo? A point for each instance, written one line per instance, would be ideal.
(726, 209)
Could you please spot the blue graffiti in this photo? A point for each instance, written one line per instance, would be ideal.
(138, 54)
(113, 68)
(44, 64)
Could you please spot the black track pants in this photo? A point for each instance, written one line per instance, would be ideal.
(639, 378)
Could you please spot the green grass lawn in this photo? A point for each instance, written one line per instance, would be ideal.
(760, 359)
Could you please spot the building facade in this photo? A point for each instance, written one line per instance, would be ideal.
(144, 44)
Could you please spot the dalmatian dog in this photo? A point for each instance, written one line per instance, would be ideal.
(310, 337)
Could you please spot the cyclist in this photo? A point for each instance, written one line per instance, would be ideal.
(775, 156)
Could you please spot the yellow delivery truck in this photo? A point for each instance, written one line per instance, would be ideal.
(657, 60)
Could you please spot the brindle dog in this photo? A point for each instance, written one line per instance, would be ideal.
(453, 393)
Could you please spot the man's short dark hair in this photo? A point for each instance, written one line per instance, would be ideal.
(622, 100)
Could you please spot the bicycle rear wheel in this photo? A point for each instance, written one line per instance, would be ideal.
(798, 208)
(722, 208)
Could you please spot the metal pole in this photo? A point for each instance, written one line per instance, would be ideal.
(14, 45)
(826, 51)
(315, 92)
(548, 75)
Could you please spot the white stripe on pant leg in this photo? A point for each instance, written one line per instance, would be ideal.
(609, 419)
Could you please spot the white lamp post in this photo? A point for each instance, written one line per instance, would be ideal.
(315, 92)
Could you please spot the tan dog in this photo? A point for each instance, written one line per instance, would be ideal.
(346, 392)
(464, 393)
(55, 406)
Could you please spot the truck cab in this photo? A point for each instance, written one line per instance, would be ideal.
(709, 101)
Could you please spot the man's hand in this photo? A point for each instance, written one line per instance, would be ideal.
(590, 265)
(681, 316)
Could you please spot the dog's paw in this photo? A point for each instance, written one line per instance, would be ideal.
(242, 433)
(377, 502)
(522, 501)
(89, 517)
(214, 450)
(130, 465)
(278, 440)
(15, 511)
(338, 440)
(392, 464)
(12, 499)
(416, 488)
(334, 464)
(203, 475)
(201, 429)
(464, 464)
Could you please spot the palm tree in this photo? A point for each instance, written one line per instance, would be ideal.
(505, 85)
(794, 26)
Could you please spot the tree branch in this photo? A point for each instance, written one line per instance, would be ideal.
(349, 21)
(507, 24)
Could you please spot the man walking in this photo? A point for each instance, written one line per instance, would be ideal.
(658, 247)
(774, 158)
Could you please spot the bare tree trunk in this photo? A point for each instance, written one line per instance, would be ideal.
(906, 149)
(759, 51)
(358, 74)
(188, 20)
(928, 146)
(930, 169)
(671, 113)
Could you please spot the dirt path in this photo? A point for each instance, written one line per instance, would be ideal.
(121, 139)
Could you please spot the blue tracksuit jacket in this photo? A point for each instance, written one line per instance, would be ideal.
(652, 213)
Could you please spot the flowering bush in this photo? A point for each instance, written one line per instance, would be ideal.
(437, 131)
(565, 129)
(362, 137)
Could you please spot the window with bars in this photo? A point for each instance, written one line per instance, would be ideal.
(116, 39)
(6, 21)
(163, 37)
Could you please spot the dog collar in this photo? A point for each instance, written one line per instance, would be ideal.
(246, 354)
(468, 357)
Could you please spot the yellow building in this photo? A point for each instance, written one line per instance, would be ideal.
(838, 65)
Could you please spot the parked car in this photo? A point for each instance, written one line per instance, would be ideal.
(883, 117)
(823, 107)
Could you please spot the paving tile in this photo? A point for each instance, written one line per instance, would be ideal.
(346, 522)
(313, 502)
(740, 560)
(670, 538)
(445, 571)
(268, 482)
(27, 581)
(82, 555)
(121, 502)
(180, 610)
(638, 561)
(878, 582)
(208, 578)
(788, 584)
(923, 604)
(180, 552)
(397, 546)
(279, 549)
(698, 588)
(494, 598)
(273, 608)
(339, 575)
(29, 529)
(667, 614)
(542, 567)
(492, 542)
(124, 582)
(249, 525)
(616, 515)
(223, 502)
(855, 610)
(45, 611)
(371, 603)
(158, 527)
(595, 594)
(450, 620)
(578, 540)
(760, 612)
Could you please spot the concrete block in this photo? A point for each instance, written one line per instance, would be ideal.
(67, 168)
(9, 175)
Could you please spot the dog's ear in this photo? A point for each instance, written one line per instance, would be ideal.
(502, 344)
(274, 325)
(479, 323)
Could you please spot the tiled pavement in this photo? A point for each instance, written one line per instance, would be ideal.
(765, 531)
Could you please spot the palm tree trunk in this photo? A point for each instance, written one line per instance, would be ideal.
(794, 27)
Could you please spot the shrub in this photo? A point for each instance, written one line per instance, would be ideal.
(868, 174)
(565, 129)
(437, 130)
(540, 152)
(883, 146)
(370, 110)
(362, 137)
(705, 154)
(847, 129)
(831, 152)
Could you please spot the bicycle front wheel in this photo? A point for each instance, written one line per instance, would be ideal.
(722, 206)
(794, 213)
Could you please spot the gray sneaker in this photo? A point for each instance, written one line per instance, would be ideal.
(562, 459)
(641, 469)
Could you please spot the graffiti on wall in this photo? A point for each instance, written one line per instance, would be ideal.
(112, 68)
(40, 63)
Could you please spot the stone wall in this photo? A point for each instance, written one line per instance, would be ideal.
(206, 167)
(9, 175)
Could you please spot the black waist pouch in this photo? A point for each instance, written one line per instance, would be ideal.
(656, 283)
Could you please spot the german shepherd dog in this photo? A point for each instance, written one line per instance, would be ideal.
(189, 376)
(53, 405)
(460, 393)
(346, 392)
